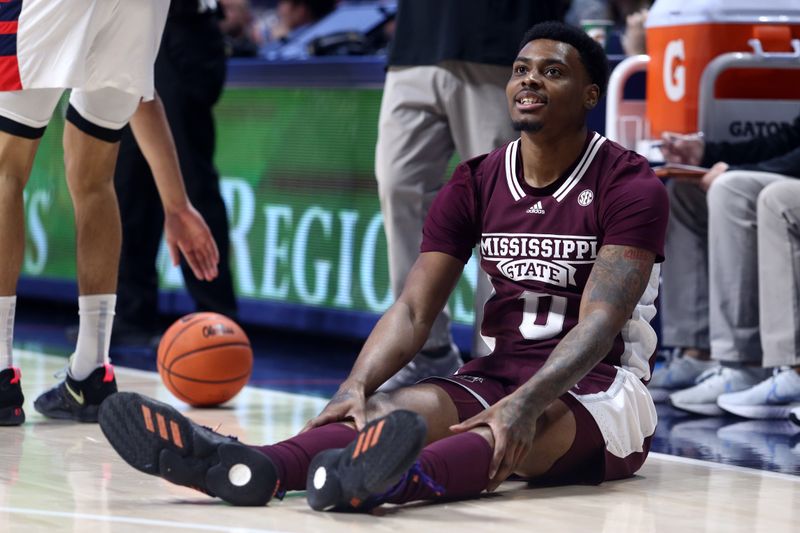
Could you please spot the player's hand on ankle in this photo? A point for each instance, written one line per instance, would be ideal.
(348, 404)
(513, 427)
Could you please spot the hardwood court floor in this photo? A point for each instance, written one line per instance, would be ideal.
(57, 476)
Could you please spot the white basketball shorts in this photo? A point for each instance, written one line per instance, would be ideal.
(104, 50)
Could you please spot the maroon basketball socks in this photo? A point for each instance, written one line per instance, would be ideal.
(292, 456)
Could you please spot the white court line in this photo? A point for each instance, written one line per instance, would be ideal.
(722, 466)
(133, 520)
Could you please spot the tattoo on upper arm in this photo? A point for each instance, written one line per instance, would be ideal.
(619, 277)
(636, 254)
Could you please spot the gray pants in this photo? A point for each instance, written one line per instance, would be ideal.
(732, 274)
(427, 113)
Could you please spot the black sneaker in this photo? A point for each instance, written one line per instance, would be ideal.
(78, 400)
(155, 438)
(11, 398)
(346, 478)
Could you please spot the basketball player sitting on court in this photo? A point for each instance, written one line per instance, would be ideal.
(571, 226)
(104, 50)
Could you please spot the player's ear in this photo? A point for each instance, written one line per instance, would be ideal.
(591, 96)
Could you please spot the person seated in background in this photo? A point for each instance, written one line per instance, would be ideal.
(633, 37)
(571, 226)
(238, 26)
(626, 17)
(293, 17)
(732, 283)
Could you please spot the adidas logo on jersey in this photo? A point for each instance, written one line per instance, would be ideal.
(536, 208)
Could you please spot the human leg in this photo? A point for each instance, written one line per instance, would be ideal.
(478, 114)
(684, 291)
(440, 471)
(733, 266)
(779, 272)
(142, 228)
(733, 276)
(779, 324)
(579, 438)
(153, 438)
(684, 288)
(91, 140)
(23, 118)
(570, 445)
(293, 456)
(413, 149)
(16, 160)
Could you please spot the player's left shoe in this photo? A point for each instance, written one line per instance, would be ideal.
(350, 478)
(155, 438)
(78, 400)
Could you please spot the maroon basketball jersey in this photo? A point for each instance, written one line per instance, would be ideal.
(539, 245)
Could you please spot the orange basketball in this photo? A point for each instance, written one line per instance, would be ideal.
(205, 359)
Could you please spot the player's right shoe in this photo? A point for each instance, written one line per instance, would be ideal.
(78, 400)
(11, 398)
(155, 438)
(349, 478)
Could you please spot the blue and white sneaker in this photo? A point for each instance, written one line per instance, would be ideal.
(772, 398)
(702, 398)
(794, 415)
(680, 372)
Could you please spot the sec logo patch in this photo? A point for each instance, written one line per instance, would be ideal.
(586, 197)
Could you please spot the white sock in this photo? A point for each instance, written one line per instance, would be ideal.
(8, 305)
(94, 334)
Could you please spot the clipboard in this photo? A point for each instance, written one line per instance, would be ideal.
(676, 170)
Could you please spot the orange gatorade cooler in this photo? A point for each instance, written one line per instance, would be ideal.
(683, 36)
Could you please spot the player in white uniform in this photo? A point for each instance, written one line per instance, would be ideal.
(103, 50)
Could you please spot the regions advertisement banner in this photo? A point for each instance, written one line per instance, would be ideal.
(297, 168)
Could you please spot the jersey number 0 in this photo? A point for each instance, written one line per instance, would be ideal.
(542, 315)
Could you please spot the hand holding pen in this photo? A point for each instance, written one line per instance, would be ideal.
(686, 149)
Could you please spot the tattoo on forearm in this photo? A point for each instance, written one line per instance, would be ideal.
(620, 276)
(575, 355)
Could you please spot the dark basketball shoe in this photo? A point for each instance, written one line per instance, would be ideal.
(349, 478)
(155, 438)
(78, 400)
(11, 398)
